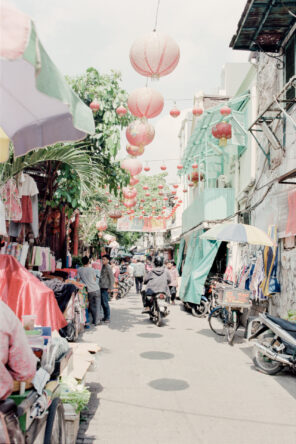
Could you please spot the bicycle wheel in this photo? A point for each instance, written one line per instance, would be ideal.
(217, 320)
(55, 432)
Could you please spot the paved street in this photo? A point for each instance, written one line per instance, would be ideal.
(180, 384)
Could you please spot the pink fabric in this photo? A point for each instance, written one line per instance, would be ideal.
(97, 265)
(25, 294)
(15, 28)
(291, 222)
(17, 361)
(10, 197)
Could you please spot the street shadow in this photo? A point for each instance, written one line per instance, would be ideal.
(149, 335)
(158, 355)
(169, 385)
(88, 413)
(285, 378)
(238, 337)
(209, 334)
(123, 319)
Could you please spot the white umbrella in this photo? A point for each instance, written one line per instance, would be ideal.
(38, 107)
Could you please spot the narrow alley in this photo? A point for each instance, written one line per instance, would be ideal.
(180, 384)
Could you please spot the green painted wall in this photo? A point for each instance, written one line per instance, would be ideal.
(211, 204)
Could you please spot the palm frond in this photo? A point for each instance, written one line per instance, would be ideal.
(80, 161)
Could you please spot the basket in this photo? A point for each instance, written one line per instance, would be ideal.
(234, 297)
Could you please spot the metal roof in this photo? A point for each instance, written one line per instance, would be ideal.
(202, 145)
(264, 24)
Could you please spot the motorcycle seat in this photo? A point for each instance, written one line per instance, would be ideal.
(286, 325)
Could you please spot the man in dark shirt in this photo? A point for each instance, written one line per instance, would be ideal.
(106, 284)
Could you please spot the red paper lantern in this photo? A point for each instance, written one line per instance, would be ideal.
(191, 184)
(135, 151)
(176, 185)
(174, 192)
(145, 187)
(195, 176)
(132, 165)
(164, 207)
(134, 180)
(94, 106)
(180, 201)
(225, 111)
(109, 200)
(101, 225)
(145, 102)
(165, 198)
(160, 193)
(160, 187)
(129, 203)
(222, 131)
(118, 187)
(175, 112)
(142, 200)
(154, 55)
(121, 110)
(154, 199)
(129, 193)
(180, 167)
(115, 214)
(147, 168)
(140, 132)
(194, 166)
(197, 111)
(163, 167)
(185, 191)
(147, 194)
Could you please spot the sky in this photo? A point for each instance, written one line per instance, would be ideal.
(78, 34)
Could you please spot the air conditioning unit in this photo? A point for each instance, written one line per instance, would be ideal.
(222, 181)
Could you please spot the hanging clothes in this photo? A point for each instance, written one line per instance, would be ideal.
(28, 193)
(270, 282)
(3, 231)
(258, 276)
(9, 194)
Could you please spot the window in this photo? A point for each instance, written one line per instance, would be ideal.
(290, 67)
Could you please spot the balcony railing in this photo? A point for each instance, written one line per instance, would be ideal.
(210, 205)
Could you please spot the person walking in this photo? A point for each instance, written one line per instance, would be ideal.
(115, 269)
(88, 276)
(106, 283)
(171, 266)
(139, 272)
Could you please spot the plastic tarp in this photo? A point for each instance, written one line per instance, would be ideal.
(25, 294)
(180, 256)
(200, 256)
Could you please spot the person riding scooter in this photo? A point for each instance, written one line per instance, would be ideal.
(157, 281)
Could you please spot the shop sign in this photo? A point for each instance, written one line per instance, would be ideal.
(145, 225)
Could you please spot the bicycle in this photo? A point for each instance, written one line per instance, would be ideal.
(225, 319)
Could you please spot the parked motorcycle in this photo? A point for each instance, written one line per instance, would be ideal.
(157, 308)
(125, 283)
(276, 343)
(198, 310)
